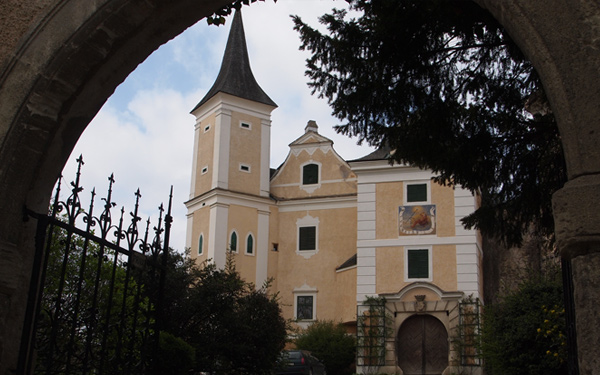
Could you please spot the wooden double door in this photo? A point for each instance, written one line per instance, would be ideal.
(422, 346)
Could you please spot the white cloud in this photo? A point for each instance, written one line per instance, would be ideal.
(144, 133)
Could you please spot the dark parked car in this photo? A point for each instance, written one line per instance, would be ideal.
(299, 362)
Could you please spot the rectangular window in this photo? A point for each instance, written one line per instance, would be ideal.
(310, 174)
(244, 168)
(418, 263)
(304, 307)
(416, 193)
(245, 125)
(307, 238)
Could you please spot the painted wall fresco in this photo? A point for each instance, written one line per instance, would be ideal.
(413, 220)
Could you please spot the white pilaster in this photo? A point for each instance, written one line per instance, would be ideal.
(366, 284)
(220, 168)
(195, 158)
(469, 252)
(265, 150)
(189, 230)
(262, 248)
(217, 240)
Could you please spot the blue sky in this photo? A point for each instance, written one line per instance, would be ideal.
(144, 133)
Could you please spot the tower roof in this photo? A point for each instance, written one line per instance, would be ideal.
(235, 77)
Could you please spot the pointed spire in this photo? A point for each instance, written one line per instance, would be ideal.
(235, 77)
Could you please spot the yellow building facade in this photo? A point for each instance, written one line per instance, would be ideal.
(333, 233)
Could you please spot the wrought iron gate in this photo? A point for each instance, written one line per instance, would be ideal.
(94, 308)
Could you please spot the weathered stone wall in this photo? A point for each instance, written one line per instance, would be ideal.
(59, 61)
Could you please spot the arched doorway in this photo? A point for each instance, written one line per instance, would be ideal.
(422, 346)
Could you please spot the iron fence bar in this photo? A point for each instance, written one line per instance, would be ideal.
(147, 325)
(82, 268)
(136, 302)
(119, 235)
(57, 316)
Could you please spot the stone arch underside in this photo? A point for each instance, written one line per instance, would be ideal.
(61, 59)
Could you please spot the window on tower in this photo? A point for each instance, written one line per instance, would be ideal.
(233, 242)
(250, 244)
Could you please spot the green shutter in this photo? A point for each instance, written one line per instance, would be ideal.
(200, 243)
(308, 238)
(416, 193)
(418, 264)
(310, 174)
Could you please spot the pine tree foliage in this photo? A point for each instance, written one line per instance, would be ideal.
(441, 83)
(233, 327)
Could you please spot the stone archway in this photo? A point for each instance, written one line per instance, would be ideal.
(61, 59)
(59, 62)
(422, 346)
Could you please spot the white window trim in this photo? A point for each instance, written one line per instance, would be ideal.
(305, 291)
(253, 253)
(207, 128)
(245, 165)
(307, 221)
(429, 258)
(237, 236)
(247, 123)
(405, 193)
(204, 170)
(312, 187)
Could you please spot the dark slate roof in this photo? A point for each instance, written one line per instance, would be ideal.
(383, 153)
(348, 263)
(235, 77)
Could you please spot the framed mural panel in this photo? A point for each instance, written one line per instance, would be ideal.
(418, 219)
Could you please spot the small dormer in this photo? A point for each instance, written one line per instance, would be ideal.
(312, 168)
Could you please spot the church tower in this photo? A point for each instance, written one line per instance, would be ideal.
(229, 202)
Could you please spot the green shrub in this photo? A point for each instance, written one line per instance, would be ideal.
(329, 342)
(175, 356)
(523, 334)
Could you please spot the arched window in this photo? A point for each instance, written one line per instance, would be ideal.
(233, 242)
(200, 244)
(250, 244)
